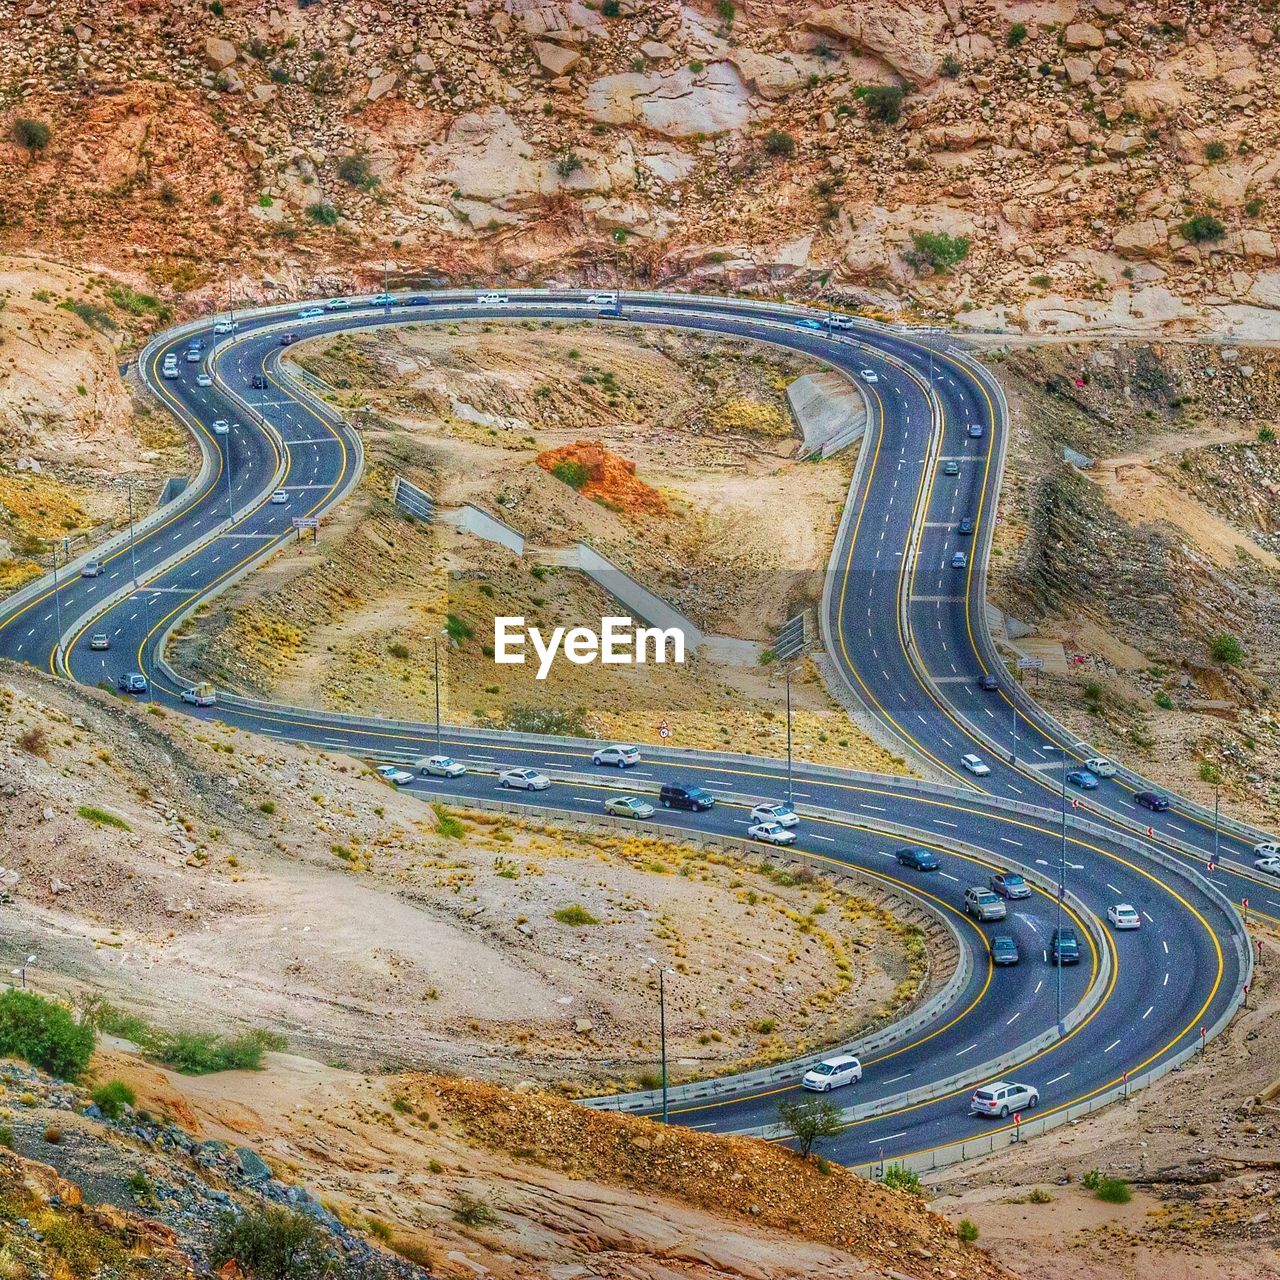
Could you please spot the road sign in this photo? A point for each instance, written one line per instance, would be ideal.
(664, 729)
(1030, 664)
(306, 522)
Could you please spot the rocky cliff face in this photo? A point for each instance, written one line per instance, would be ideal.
(1108, 164)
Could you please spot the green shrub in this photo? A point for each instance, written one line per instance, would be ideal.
(1226, 648)
(1163, 701)
(354, 170)
(568, 162)
(967, 1230)
(611, 9)
(202, 1053)
(1017, 34)
(1112, 1190)
(470, 1211)
(273, 1243)
(574, 474)
(323, 214)
(1202, 228)
(902, 1179)
(267, 806)
(1266, 435)
(447, 825)
(575, 915)
(101, 818)
(6, 1136)
(112, 1098)
(457, 628)
(1215, 151)
(725, 11)
(34, 135)
(44, 1034)
(884, 102)
(936, 249)
(398, 650)
(950, 66)
(777, 142)
(809, 1120)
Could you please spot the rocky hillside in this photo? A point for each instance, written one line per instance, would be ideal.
(1072, 162)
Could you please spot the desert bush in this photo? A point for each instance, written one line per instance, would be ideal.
(34, 135)
(112, 1097)
(777, 142)
(884, 102)
(1201, 229)
(936, 249)
(902, 1179)
(273, 1243)
(44, 1034)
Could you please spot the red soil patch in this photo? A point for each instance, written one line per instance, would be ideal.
(608, 477)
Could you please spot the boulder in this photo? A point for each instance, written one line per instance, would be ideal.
(219, 53)
(1078, 69)
(1083, 35)
(678, 104)
(1124, 144)
(902, 36)
(554, 59)
(381, 85)
(1146, 239)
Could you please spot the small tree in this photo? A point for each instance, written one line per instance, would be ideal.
(568, 162)
(34, 135)
(900, 1178)
(1017, 34)
(272, 1243)
(884, 102)
(1203, 227)
(777, 142)
(354, 170)
(44, 1034)
(936, 249)
(809, 1119)
(1215, 151)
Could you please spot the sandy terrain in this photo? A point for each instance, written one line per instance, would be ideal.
(738, 541)
(181, 870)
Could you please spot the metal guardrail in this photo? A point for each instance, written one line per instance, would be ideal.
(412, 500)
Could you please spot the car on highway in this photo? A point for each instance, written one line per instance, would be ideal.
(951, 467)
(132, 682)
(524, 779)
(200, 695)
(775, 811)
(1004, 950)
(225, 326)
(675, 795)
(383, 300)
(1152, 800)
(602, 299)
(965, 527)
(837, 321)
(396, 776)
(806, 323)
(193, 355)
(203, 379)
(258, 382)
(1064, 946)
(832, 1073)
(982, 904)
(917, 859)
(1101, 767)
(976, 765)
(628, 807)
(869, 375)
(959, 560)
(338, 304)
(1123, 916)
(310, 313)
(195, 344)
(1083, 779)
(170, 371)
(975, 431)
(279, 498)
(1267, 849)
(492, 300)
(221, 426)
(418, 300)
(1269, 864)
(1003, 1099)
(771, 833)
(91, 569)
(440, 767)
(988, 683)
(1009, 884)
(288, 339)
(618, 756)
(99, 641)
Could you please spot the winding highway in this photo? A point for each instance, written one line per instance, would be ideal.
(904, 623)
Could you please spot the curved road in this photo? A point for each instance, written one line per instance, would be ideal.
(906, 631)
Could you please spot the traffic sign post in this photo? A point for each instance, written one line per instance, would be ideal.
(664, 729)
(1126, 1086)
(307, 522)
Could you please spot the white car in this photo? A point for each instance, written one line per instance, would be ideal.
(770, 811)
(869, 375)
(840, 322)
(1270, 865)
(441, 767)
(619, 756)
(170, 371)
(203, 380)
(1267, 849)
(771, 833)
(524, 780)
(280, 497)
(832, 1073)
(602, 299)
(975, 765)
(1123, 916)
(1101, 767)
(492, 300)
(221, 426)
(225, 326)
(1003, 1099)
(397, 777)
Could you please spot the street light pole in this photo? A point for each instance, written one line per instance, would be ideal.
(133, 559)
(57, 599)
(435, 641)
(788, 735)
(1062, 878)
(662, 1033)
(1217, 786)
(1013, 704)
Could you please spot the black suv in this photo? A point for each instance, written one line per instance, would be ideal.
(917, 859)
(1064, 947)
(1152, 800)
(674, 796)
(259, 381)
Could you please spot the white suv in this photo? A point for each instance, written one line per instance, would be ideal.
(832, 1073)
(975, 766)
(1002, 1099)
(1267, 849)
(616, 755)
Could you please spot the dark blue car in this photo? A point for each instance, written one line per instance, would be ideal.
(917, 859)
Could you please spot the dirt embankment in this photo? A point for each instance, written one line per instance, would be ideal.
(164, 862)
(1150, 575)
(732, 530)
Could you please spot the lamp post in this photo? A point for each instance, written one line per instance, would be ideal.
(133, 559)
(21, 971)
(662, 1031)
(435, 643)
(1062, 873)
(789, 798)
(57, 598)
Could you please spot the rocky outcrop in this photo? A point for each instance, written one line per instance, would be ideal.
(901, 35)
(679, 104)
